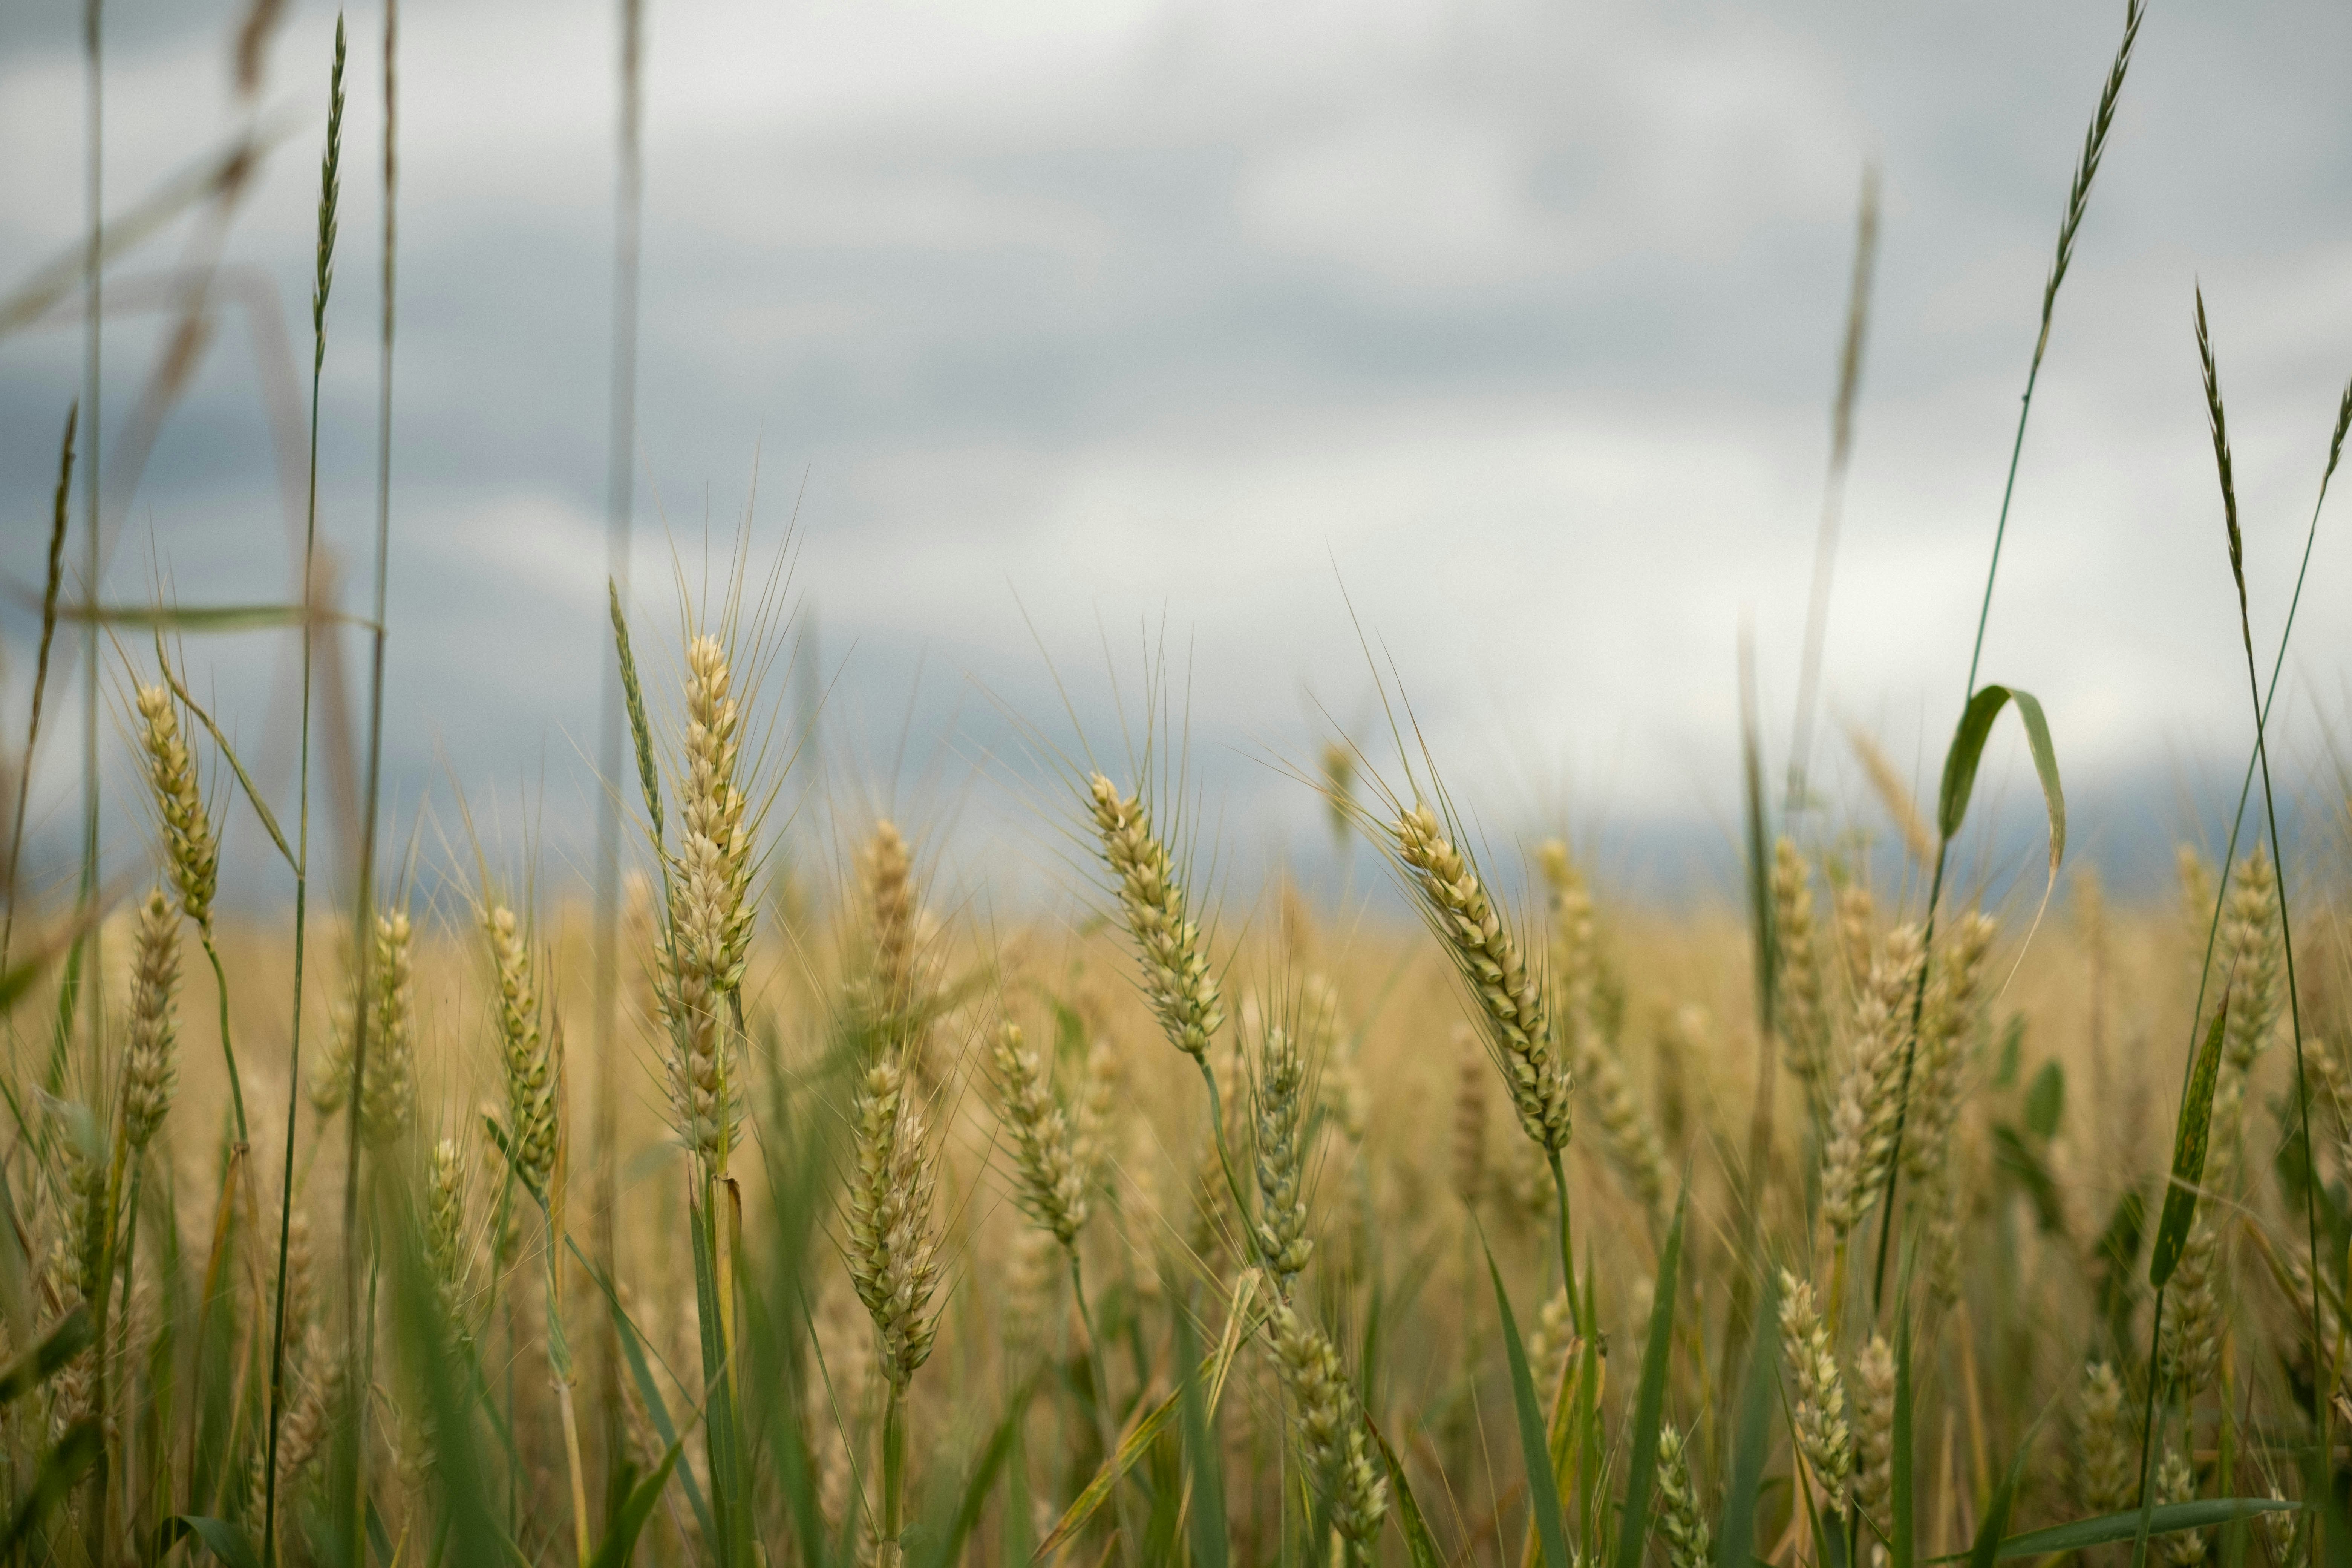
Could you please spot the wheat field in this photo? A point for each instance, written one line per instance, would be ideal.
(793, 1200)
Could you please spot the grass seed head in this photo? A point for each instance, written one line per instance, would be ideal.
(1873, 1473)
(2110, 1448)
(1803, 1016)
(1822, 1432)
(1330, 1429)
(190, 850)
(1176, 979)
(1680, 1522)
(1510, 999)
(151, 1059)
(1051, 1184)
(893, 1252)
(710, 910)
(387, 1100)
(524, 1053)
(1278, 1114)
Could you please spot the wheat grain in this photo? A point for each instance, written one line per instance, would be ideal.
(1680, 1522)
(149, 1062)
(1176, 979)
(1277, 1113)
(191, 852)
(893, 1252)
(1874, 1417)
(1510, 999)
(1051, 1184)
(1822, 1435)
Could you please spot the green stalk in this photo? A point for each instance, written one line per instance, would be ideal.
(354, 1516)
(2077, 203)
(51, 583)
(228, 1053)
(2278, 848)
(322, 286)
(628, 201)
(894, 1476)
(1567, 1244)
(1107, 1426)
(1225, 1158)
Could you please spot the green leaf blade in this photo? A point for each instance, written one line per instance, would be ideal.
(2188, 1154)
(1543, 1490)
(1649, 1403)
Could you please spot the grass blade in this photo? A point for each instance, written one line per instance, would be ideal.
(1145, 1432)
(1752, 1439)
(2188, 1154)
(38, 1365)
(2085, 1533)
(629, 1520)
(202, 618)
(1649, 1401)
(1419, 1544)
(976, 1489)
(1543, 1491)
(60, 1468)
(1987, 1549)
(252, 795)
(228, 1542)
(1968, 750)
(1204, 1463)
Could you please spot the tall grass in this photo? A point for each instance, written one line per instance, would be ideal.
(1122, 1232)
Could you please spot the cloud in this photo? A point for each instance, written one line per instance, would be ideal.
(1050, 327)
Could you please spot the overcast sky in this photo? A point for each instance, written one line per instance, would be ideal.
(1071, 327)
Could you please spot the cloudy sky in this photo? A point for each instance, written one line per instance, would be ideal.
(1079, 337)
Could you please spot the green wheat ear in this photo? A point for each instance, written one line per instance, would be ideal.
(331, 188)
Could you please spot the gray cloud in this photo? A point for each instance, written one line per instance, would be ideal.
(1059, 325)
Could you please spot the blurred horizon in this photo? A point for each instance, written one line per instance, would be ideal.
(1225, 362)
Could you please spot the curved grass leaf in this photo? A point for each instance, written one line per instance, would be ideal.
(1988, 1547)
(1649, 1400)
(2107, 1528)
(2188, 1154)
(252, 795)
(222, 1539)
(204, 618)
(1204, 1460)
(619, 1541)
(633, 1349)
(1543, 1491)
(1145, 1432)
(60, 1468)
(1751, 1444)
(950, 1547)
(38, 1365)
(1968, 750)
(1419, 1544)
(62, 274)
